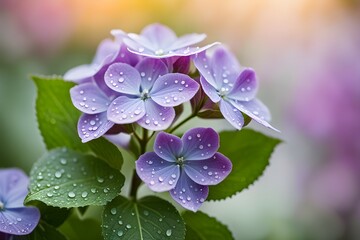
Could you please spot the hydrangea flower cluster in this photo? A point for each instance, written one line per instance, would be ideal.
(15, 218)
(138, 80)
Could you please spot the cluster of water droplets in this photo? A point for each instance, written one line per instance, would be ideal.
(92, 126)
(175, 97)
(64, 180)
(91, 103)
(152, 222)
(16, 226)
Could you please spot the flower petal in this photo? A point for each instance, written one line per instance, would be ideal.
(245, 87)
(256, 110)
(231, 114)
(158, 174)
(80, 74)
(225, 67)
(210, 171)
(209, 90)
(157, 117)
(173, 89)
(182, 65)
(202, 63)
(160, 36)
(88, 98)
(187, 40)
(150, 70)
(168, 146)
(123, 78)
(13, 187)
(19, 221)
(188, 193)
(92, 126)
(126, 110)
(200, 143)
(105, 49)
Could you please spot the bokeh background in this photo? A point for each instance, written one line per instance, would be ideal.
(307, 57)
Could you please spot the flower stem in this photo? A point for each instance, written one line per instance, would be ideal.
(182, 122)
(136, 181)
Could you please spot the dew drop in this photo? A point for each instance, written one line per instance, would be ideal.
(120, 233)
(58, 174)
(168, 232)
(113, 211)
(128, 226)
(71, 194)
(63, 161)
(84, 194)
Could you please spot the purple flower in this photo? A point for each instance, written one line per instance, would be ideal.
(94, 103)
(148, 93)
(93, 97)
(15, 218)
(159, 41)
(185, 166)
(234, 89)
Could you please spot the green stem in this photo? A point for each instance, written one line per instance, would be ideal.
(136, 181)
(182, 122)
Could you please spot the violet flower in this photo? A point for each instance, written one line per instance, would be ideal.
(148, 93)
(185, 166)
(94, 103)
(234, 89)
(15, 218)
(159, 41)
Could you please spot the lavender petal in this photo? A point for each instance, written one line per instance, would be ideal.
(150, 70)
(19, 221)
(88, 98)
(245, 87)
(13, 187)
(126, 110)
(256, 110)
(157, 117)
(188, 193)
(92, 126)
(123, 78)
(174, 89)
(231, 114)
(210, 171)
(158, 174)
(168, 146)
(209, 90)
(200, 143)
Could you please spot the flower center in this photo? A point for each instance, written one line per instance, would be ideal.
(1, 205)
(180, 161)
(223, 91)
(145, 94)
(159, 52)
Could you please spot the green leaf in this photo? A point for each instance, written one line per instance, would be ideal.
(249, 152)
(57, 119)
(52, 215)
(65, 178)
(43, 231)
(78, 227)
(200, 226)
(148, 218)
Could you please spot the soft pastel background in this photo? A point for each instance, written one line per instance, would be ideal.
(307, 57)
